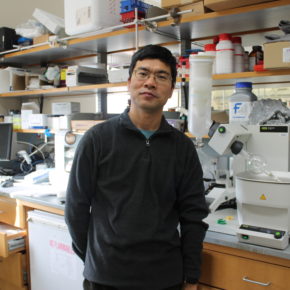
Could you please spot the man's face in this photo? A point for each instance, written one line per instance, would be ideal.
(150, 85)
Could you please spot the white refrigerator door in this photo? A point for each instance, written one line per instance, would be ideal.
(53, 264)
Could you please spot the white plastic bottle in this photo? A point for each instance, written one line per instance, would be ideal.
(224, 54)
(210, 49)
(239, 64)
(241, 102)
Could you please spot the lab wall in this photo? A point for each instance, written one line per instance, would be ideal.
(15, 12)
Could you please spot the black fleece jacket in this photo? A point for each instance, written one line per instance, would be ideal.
(125, 198)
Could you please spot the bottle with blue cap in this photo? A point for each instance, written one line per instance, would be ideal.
(241, 102)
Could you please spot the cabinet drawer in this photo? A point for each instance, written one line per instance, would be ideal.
(8, 286)
(11, 240)
(8, 210)
(233, 272)
(13, 272)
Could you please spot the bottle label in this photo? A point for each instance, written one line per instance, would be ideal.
(240, 111)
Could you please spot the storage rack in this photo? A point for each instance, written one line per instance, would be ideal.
(255, 20)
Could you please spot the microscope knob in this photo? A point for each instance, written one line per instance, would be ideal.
(222, 129)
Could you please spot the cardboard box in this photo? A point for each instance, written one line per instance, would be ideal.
(218, 5)
(84, 125)
(33, 82)
(277, 55)
(41, 39)
(65, 108)
(197, 8)
(221, 117)
(176, 3)
(17, 82)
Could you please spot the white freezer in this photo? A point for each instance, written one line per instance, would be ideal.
(53, 264)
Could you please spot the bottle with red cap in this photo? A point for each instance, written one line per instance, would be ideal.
(215, 40)
(224, 54)
(256, 56)
(210, 49)
(239, 64)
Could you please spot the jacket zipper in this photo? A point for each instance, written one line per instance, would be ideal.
(147, 154)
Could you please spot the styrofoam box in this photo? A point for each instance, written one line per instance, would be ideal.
(65, 108)
(119, 75)
(37, 120)
(4, 80)
(52, 22)
(89, 15)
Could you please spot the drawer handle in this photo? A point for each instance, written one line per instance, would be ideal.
(246, 279)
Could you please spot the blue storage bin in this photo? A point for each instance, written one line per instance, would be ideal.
(130, 5)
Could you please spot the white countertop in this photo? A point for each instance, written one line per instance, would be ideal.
(220, 234)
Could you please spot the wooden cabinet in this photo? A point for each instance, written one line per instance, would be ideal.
(11, 240)
(235, 269)
(10, 212)
(13, 270)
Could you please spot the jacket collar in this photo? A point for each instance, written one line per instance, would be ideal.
(126, 121)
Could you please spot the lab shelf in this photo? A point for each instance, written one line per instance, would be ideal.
(250, 19)
(255, 19)
(220, 80)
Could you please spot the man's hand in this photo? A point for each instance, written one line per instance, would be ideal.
(188, 286)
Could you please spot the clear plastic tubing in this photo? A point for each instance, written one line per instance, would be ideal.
(200, 87)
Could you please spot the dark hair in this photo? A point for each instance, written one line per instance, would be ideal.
(155, 52)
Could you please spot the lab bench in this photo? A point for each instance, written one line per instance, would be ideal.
(227, 263)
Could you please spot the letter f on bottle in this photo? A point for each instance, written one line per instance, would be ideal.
(236, 107)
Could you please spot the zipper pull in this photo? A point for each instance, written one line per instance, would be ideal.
(147, 142)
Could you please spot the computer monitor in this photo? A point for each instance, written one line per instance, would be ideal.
(6, 133)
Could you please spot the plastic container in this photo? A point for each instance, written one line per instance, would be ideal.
(246, 60)
(200, 86)
(210, 49)
(256, 56)
(89, 15)
(239, 64)
(240, 104)
(224, 54)
(128, 17)
(130, 5)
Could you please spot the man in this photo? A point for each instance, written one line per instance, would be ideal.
(133, 180)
